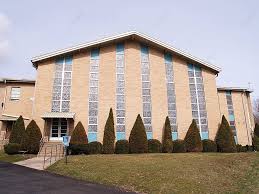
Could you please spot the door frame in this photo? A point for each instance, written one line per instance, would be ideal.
(59, 138)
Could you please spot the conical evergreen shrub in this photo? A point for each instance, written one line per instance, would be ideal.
(138, 138)
(79, 136)
(31, 138)
(224, 138)
(18, 131)
(256, 130)
(192, 138)
(167, 142)
(109, 135)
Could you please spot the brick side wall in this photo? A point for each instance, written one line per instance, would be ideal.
(43, 92)
(212, 107)
(107, 87)
(133, 84)
(158, 91)
(183, 99)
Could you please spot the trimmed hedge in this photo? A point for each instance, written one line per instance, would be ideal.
(31, 138)
(256, 143)
(12, 148)
(77, 149)
(95, 147)
(154, 146)
(167, 143)
(179, 146)
(209, 145)
(79, 136)
(18, 131)
(109, 135)
(122, 147)
(224, 138)
(256, 130)
(138, 138)
(193, 139)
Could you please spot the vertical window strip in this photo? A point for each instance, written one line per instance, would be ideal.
(120, 92)
(231, 114)
(146, 95)
(198, 102)
(93, 95)
(62, 85)
(171, 94)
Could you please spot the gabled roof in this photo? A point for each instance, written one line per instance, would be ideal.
(133, 35)
(235, 89)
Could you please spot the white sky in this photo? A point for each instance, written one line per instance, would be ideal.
(225, 33)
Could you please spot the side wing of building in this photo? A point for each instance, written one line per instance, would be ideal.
(16, 98)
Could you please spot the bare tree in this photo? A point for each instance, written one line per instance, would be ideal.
(256, 109)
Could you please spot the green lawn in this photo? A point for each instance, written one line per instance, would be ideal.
(168, 173)
(14, 158)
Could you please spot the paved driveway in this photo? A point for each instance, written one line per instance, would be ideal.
(16, 179)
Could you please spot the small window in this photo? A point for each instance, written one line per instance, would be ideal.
(15, 93)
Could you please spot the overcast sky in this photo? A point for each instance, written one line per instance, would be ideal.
(225, 33)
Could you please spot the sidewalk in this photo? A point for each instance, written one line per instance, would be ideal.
(35, 163)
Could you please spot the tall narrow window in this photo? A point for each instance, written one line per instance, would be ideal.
(146, 95)
(231, 115)
(93, 95)
(198, 102)
(120, 92)
(171, 94)
(62, 85)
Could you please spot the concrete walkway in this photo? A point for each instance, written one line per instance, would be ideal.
(35, 163)
(19, 179)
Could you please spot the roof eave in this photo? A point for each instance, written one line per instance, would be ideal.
(120, 36)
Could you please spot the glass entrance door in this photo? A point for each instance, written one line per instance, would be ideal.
(59, 128)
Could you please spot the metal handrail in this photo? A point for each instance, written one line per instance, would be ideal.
(57, 155)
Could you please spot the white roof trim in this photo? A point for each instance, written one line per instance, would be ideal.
(123, 35)
(14, 116)
(237, 89)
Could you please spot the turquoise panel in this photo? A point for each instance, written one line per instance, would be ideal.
(92, 136)
(95, 53)
(68, 60)
(120, 135)
(190, 66)
(60, 60)
(149, 135)
(120, 48)
(231, 118)
(205, 135)
(197, 68)
(174, 135)
(168, 58)
(228, 92)
(144, 49)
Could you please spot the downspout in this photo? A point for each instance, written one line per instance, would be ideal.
(5, 94)
(220, 113)
(245, 117)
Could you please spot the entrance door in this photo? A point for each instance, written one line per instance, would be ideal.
(59, 128)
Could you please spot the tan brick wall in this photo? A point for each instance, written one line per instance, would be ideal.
(242, 109)
(79, 91)
(133, 90)
(107, 87)
(183, 99)
(240, 118)
(212, 105)
(43, 91)
(23, 106)
(158, 91)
